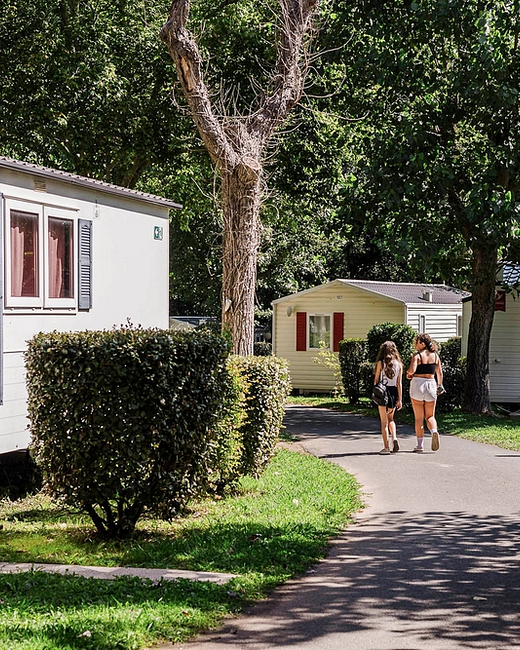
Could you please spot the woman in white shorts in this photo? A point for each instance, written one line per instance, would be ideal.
(424, 366)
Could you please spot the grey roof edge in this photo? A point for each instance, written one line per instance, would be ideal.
(84, 181)
(424, 285)
(356, 284)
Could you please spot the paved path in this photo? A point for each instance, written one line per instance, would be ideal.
(432, 562)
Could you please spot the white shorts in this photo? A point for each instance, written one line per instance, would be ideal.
(423, 390)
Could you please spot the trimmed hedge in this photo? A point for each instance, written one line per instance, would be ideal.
(352, 353)
(122, 420)
(454, 371)
(267, 385)
(402, 335)
(262, 349)
(226, 448)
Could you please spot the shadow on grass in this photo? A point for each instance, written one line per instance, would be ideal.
(246, 547)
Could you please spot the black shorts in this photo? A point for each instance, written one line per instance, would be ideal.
(393, 396)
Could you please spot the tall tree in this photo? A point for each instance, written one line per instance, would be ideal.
(443, 161)
(85, 87)
(238, 145)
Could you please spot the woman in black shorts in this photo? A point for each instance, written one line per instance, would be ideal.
(389, 367)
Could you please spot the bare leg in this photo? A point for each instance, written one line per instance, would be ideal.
(418, 411)
(429, 415)
(392, 429)
(384, 425)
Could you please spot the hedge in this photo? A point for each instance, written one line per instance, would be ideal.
(267, 385)
(121, 420)
(352, 353)
(402, 335)
(454, 371)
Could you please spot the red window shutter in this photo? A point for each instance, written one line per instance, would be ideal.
(301, 331)
(339, 320)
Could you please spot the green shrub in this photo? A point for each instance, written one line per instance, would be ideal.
(121, 420)
(266, 385)
(226, 448)
(366, 378)
(329, 359)
(402, 335)
(262, 349)
(454, 371)
(352, 353)
(450, 351)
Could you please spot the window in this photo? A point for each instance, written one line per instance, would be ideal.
(422, 324)
(41, 256)
(459, 325)
(319, 331)
(25, 262)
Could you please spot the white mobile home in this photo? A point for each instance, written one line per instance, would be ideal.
(75, 254)
(504, 343)
(348, 309)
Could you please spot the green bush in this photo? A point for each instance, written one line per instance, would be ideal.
(366, 378)
(262, 349)
(450, 351)
(454, 371)
(352, 353)
(402, 335)
(121, 420)
(266, 385)
(226, 448)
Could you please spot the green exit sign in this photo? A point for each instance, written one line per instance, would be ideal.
(158, 233)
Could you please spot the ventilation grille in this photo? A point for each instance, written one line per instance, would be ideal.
(40, 186)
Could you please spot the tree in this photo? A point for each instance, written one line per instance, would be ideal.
(238, 144)
(442, 163)
(85, 87)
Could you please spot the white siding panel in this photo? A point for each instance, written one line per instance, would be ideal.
(13, 431)
(504, 354)
(441, 320)
(362, 310)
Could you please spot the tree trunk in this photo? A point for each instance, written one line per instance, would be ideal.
(237, 147)
(476, 391)
(241, 193)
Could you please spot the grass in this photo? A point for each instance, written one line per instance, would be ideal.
(498, 430)
(274, 529)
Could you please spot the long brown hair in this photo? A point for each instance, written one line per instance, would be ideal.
(430, 344)
(388, 353)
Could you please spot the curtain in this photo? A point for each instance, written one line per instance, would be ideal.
(24, 254)
(60, 258)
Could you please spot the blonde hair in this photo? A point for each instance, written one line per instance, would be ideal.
(388, 353)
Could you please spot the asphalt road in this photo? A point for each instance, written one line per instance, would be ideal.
(431, 563)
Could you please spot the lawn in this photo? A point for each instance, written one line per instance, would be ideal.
(275, 528)
(499, 430)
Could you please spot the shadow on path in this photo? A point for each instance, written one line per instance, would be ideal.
(436, 580)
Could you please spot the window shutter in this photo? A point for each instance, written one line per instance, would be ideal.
(85, 264)
(301, 331)
(1, 301)
(338, 328)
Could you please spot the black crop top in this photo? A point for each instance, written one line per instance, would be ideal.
(425, 368)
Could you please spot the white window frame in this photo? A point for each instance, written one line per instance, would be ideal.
(422, 323)
(309, 316)
(23, 301)
(63, 303)
(459, 325)
(44, 212)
